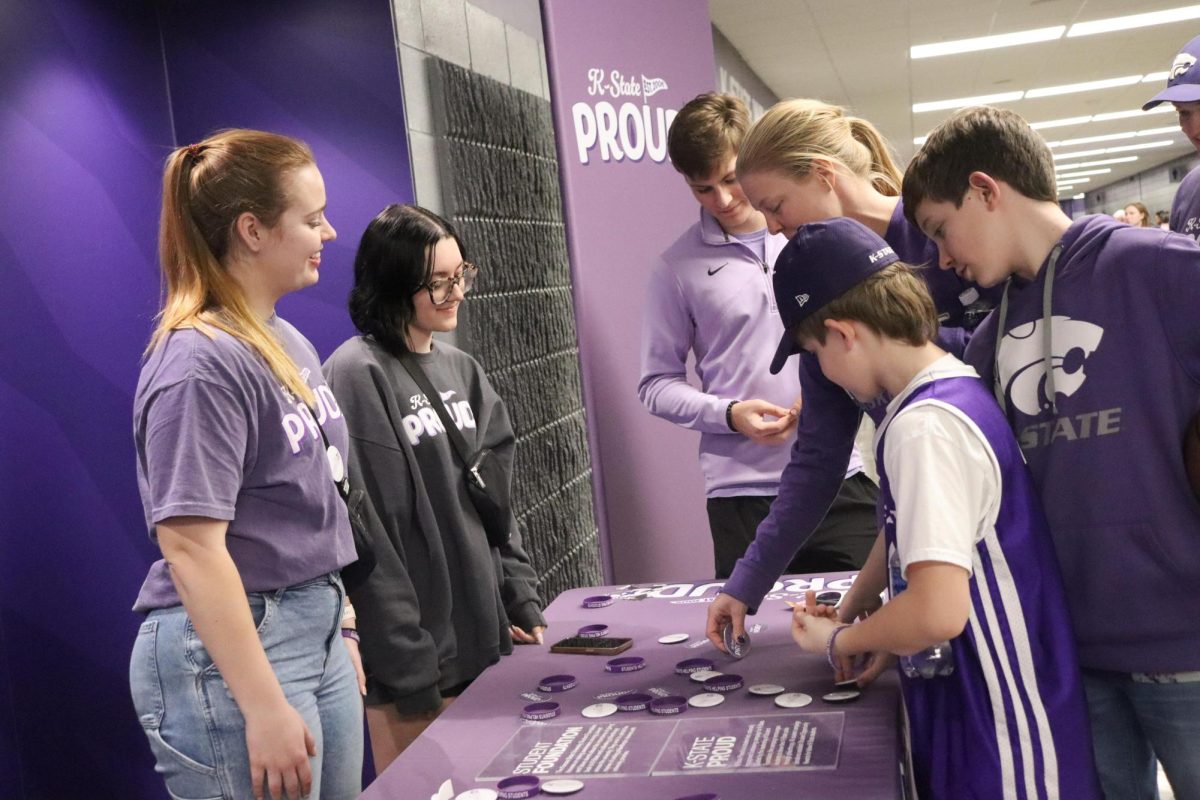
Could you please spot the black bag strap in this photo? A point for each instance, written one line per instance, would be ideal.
(413, 368)
(343, 486)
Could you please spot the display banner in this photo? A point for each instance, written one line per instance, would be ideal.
(619, 71)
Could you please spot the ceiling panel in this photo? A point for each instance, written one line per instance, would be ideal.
(855, 53)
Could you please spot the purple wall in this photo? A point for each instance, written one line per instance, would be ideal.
(622, 210)
(85, 123)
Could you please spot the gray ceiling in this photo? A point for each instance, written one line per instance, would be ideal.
(856, 53)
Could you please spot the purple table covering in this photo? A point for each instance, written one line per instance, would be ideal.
(747, 748)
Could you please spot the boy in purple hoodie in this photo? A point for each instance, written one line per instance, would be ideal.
(1094, 353)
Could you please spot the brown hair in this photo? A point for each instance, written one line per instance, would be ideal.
(994, 141)
(794, 133)
(893, 302)
(206, 187)
(704, 131)
(1144, 212)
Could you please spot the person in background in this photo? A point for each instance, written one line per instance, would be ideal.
(1163, 220)
(709, 296)
(807, 161)
(965, 552)
(239, 675)
(1094, 354)
(1119, 215)
(442, 602)
(1183, 92)
(1137, 215)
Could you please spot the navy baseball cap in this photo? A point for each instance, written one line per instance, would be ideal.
(822, 262)
(1183, 82)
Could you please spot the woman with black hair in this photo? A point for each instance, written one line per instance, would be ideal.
(441, 603)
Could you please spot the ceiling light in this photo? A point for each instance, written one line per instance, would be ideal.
(1077, 196)
(1133, 112)
(1081, 154)
(1106, 137)
(1086, 86)
(1059, 123)
(1134, 21)
(1155, 77)
(1168, 130)
(1072, 176)
(961, 102)
(986, 42)
(920, 140)
(1125, 148)
(1100, 163)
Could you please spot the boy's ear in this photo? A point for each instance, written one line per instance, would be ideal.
(985, 186)
(843, 331)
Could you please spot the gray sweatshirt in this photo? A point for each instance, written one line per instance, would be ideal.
(435, 611)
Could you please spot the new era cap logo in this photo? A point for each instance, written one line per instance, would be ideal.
(1183, 62)
(878, 254)
(801, 299)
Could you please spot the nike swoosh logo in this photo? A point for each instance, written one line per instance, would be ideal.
(718, 269)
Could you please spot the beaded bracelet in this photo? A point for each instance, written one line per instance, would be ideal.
(351, 633)
(729, 414)
(829, 654)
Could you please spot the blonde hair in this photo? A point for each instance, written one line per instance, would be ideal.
(893, 302)
(206, 187)
(795, 133)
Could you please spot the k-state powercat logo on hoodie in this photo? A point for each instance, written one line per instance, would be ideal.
(1022, 362)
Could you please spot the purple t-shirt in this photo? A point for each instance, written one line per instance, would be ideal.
(218, 436)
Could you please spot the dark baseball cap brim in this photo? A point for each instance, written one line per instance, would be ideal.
(1180, 93)
(787, 348)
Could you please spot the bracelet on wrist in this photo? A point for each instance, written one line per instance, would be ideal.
(351, 633)
(830, 655)
(729, 414)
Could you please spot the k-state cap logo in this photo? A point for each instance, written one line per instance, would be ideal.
(801, 299)
(1183, 62)
(880, 253)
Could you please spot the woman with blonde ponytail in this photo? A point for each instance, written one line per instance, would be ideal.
(239, 676)
(807, 161)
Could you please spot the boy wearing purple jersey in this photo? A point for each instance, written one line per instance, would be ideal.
(1095, 354)
(965, 550)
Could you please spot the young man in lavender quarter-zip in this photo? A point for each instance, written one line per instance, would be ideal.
(710, 295)
(1094, 354)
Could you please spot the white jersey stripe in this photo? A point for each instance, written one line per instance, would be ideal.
(1007, 770)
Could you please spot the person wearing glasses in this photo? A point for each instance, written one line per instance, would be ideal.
(441, 603)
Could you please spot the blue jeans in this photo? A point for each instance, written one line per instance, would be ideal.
(1134, 723)
(197, 732)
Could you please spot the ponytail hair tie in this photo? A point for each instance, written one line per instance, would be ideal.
(195, 150)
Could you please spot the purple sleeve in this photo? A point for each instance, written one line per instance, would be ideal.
(953, 340)
(1177, 275)
(667, 333)
(810, 482)
(195, 449)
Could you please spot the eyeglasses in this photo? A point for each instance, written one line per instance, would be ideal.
(441, 289)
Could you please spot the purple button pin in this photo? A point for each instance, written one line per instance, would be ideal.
(624, 664)
(592, 631)
(518, 787)
(673, 704)
(691, 665)
(538, 711)
(633, 701)
(723, 683)
(557, 683)
(598, 601)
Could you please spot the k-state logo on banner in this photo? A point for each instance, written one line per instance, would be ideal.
(1022, 361)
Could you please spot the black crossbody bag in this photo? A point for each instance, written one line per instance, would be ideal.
(353, 574)
(487, 483)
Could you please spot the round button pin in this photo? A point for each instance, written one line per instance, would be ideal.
(738, 647)
(540, 711)
(848, 696)
(829, 598)
(673, 638)
(793, 700)
(624, 664)
(688, 666)
(766, 689)
(336, 465)
(557, 683)
(562, 786)
(706, 700)
(598, 601)
(592, 631)
(518, 787)
(701, 675)
(477, 794)
(666, 706)
(596, 711)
